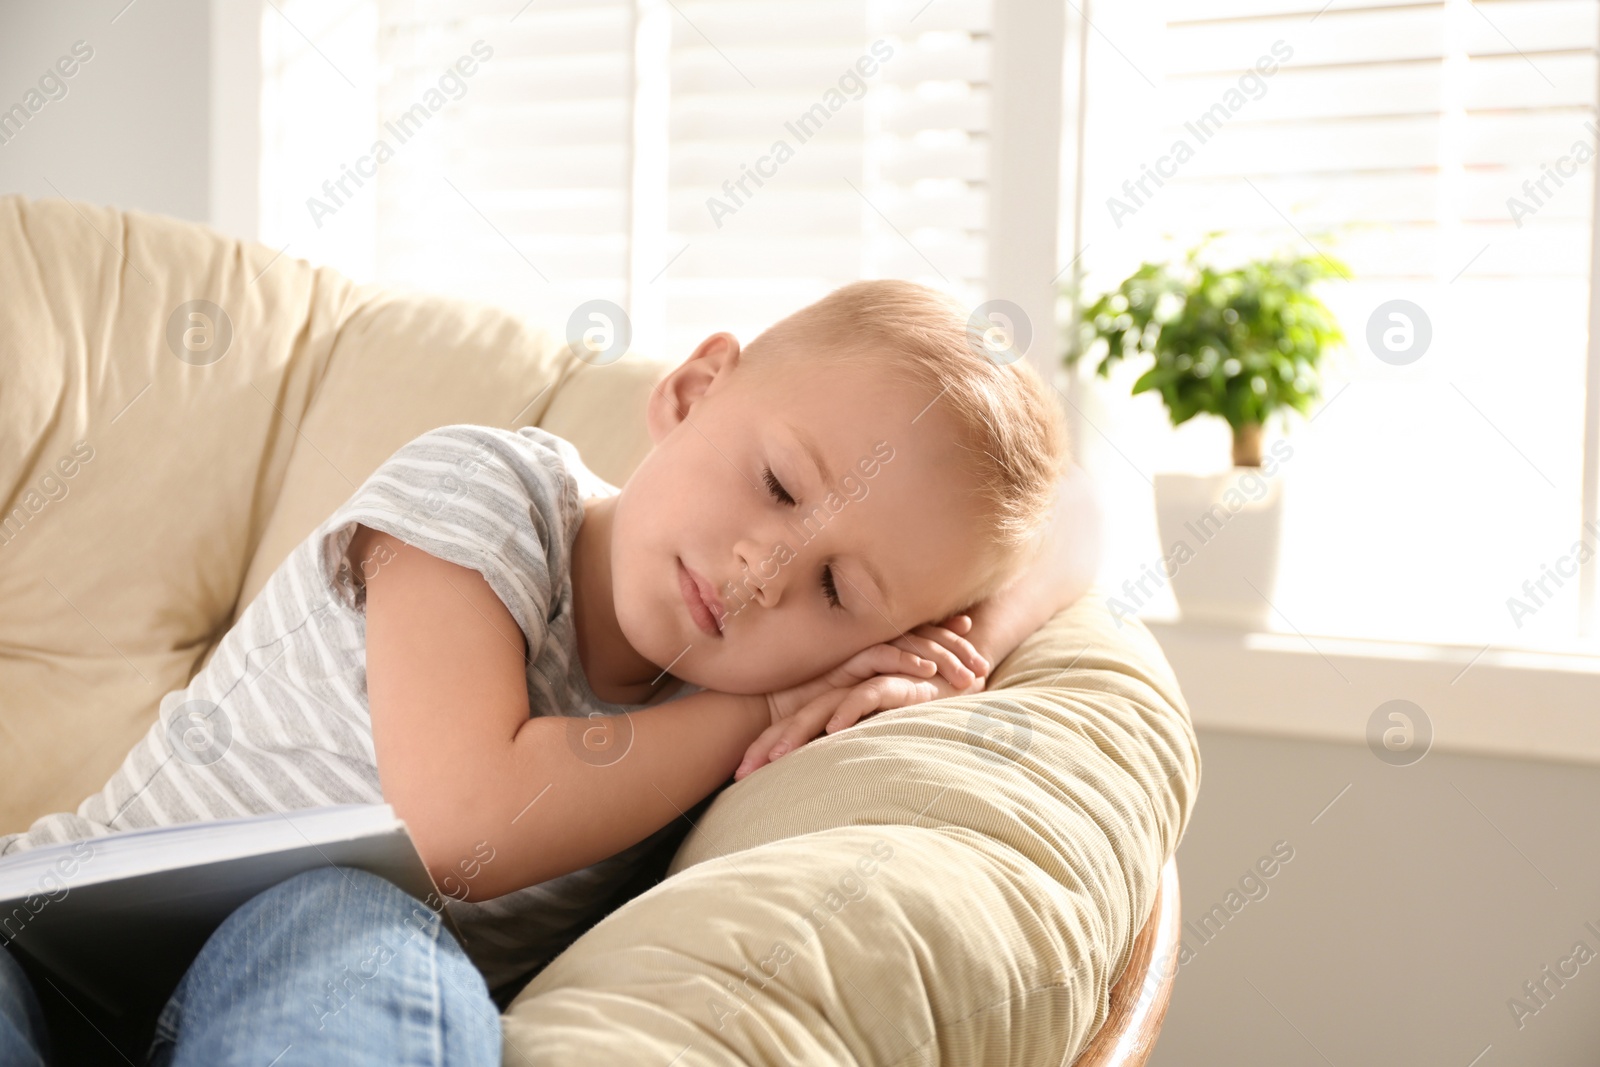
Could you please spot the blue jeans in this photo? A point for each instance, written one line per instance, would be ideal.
(331, 966)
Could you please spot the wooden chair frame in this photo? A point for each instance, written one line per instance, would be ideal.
(1140, 997)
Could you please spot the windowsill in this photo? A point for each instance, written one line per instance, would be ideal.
(1498, 702)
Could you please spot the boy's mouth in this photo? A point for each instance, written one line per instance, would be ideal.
(701, 599)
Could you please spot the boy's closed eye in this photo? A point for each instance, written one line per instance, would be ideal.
(779, 493)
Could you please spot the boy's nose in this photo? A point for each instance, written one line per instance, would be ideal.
(762, 573)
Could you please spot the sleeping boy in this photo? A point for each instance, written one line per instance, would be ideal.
(858, 511)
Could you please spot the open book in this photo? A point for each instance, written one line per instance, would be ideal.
(119, 918)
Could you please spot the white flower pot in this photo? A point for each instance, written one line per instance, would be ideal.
(1219, 543)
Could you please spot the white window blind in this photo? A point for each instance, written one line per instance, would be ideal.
(885, 119)
(523, 199)
(1398, 137)
(318, 116)
(628, 152)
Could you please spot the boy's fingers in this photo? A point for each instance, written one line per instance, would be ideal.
(950, 664)
(760, 753)
(863, 664)
(751, 757)
(792, 731)
(879, 694)
(852, 707)
(860, 701)
(879, 664)
(939, 636)
(806, 723)
(841, 719)
(911, 661)
(916, 691)
(963, 648)
(885, 659)
(777, 738)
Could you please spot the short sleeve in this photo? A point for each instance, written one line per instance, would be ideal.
(477, 496)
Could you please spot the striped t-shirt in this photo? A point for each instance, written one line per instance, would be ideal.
(278, 719)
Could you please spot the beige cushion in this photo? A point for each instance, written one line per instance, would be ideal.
(1019, 834)
(120, 579)
(1019, 839)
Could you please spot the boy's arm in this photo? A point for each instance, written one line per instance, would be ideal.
(470, 772)
(1060, 573)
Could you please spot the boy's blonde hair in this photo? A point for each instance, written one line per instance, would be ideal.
(1011, 427)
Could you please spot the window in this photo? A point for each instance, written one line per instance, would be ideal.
(705, 164)
(1442, 150)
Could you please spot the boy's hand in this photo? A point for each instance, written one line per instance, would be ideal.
(877, 679)
(868, 663)
(946, 644)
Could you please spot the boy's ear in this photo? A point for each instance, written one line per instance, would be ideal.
(708, 368)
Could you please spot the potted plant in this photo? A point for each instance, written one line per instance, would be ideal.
(1243, 344)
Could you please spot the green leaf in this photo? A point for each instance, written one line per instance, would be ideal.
(1192, 317)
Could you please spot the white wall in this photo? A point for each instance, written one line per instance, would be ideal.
(133, 126)
(235, 128)
(1414, 908)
